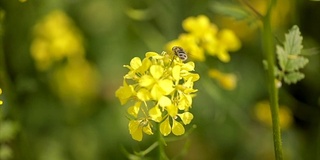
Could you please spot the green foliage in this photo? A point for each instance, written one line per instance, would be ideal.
(236, 11)
(289, 57)
(231, 10)
(8, 131)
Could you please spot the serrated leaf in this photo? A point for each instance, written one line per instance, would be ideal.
(282, 57)
(293, 77)
(293, 41)
(296, 63)
(289, 57)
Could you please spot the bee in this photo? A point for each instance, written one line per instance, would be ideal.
(178, 51)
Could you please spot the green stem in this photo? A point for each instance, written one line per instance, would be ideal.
(269, 49)
(161, 143)
(5, 82)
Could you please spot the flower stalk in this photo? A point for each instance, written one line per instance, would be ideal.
(269, 48)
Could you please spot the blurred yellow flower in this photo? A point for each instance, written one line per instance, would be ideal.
(204, 37)
(58, 46)
(247, 29)
(263, 114)
(227, 81)
(161, 87)
(281, 11)
(76, 82)
(137, 127)
(55, 38)
(1, 102)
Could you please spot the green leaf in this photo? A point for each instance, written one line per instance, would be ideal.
(293, 41)
(231, 10)
(296, 63)
(293, 77)
(289, 57)
(282, 57)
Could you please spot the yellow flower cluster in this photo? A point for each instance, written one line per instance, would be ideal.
(1, 102)
(58, 47)
(161, 88)
(204, 37)
(55, 38)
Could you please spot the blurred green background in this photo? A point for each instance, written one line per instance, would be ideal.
(63, 107)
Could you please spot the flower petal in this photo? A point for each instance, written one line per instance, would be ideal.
(143, 94)
(186, 117)
(135, 130)
(176, 72)
(135, 63)
(147, 129)
(164, 101)
(165, 127)
(155, 114)
(157, 92)
(156, 71)
(124, 93)
(172, 110)
(177, 128)
(166, 85)
(146, 81)
(133, 110)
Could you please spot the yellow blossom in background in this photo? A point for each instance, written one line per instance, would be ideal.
(76, 82)
(1, 102)
(227, 81)
(247, 29)
(58, 47)
(202, 37)
(55, 38)
(281, 14)
(263, 114)
(160, 87)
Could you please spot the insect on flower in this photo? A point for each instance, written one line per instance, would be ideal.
(178, 51)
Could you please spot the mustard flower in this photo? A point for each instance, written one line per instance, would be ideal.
(1, 102)
(263, 115)
(160, 89)
(58, 46)
(226, 80)
(55, 38)
(204, 37)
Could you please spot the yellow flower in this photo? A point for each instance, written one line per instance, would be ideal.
(58, 41)
(204, 37)
(75, 82)
(199, 26)
(189, 43)
(55, 38)
(227, 81)
(158, 85)
(263, 114)
(125, 92)
(176, 128)
(226, 41)
(136, 127)
(1, 102)
(161, 87)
